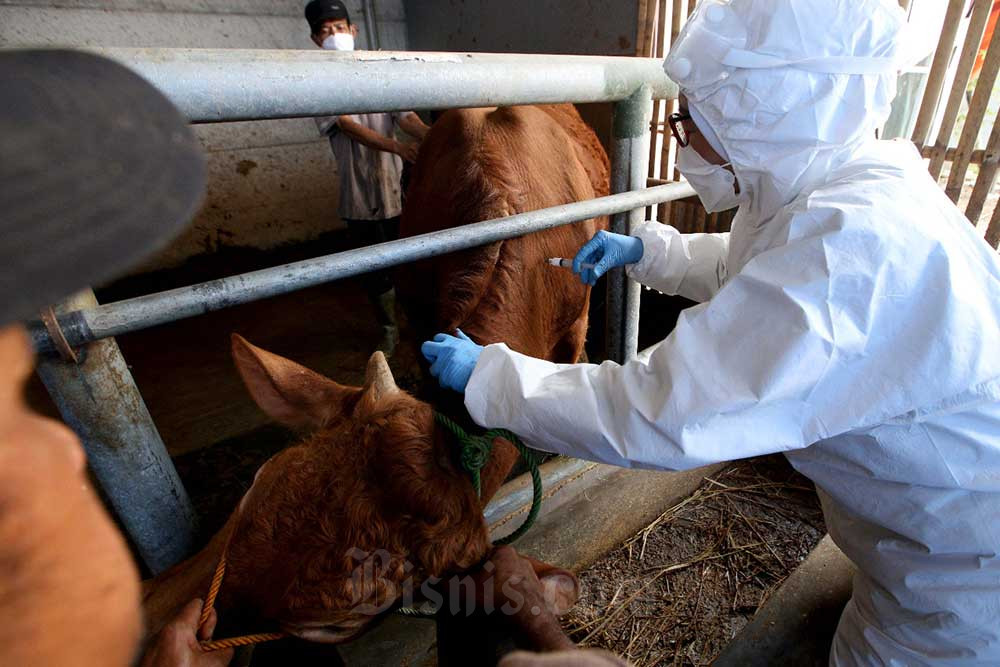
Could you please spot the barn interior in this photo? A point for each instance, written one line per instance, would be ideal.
(272, 199)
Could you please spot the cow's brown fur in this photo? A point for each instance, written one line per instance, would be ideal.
(375, 481)
(387, 482)
(478, 164)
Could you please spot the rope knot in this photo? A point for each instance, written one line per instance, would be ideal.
(475, 453)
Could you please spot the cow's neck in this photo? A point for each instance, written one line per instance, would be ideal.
(494, 473)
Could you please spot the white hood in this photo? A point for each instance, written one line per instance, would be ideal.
(789, 103)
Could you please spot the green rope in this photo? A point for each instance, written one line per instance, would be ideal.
(475, 453)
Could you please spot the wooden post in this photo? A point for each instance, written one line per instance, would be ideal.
(973, 38)
(987, 176)
(644, 31)
(993, 231)
(669, 211)
(676, 22)
(974, 119)
(939, 70)
(655, 127)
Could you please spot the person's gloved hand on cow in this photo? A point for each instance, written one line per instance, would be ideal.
(606, 250)
(452, 359)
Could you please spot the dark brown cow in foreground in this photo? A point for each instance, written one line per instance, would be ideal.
(373, 482)
(375, 479)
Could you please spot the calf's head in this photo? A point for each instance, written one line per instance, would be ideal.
(370, 498)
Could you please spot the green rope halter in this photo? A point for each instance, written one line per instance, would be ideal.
(474, 455)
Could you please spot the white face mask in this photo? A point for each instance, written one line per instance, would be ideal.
(339, 41)
(714, 184)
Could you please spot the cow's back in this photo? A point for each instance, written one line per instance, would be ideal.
(478, 164)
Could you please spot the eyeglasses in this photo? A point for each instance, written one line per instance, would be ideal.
(676, 123)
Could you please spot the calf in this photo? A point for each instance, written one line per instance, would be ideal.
(374, 485)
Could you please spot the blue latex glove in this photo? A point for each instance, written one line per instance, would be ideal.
(452, 359)
(606, 251)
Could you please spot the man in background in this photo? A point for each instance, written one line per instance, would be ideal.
(370, 162)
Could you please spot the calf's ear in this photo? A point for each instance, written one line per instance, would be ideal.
(288, 392)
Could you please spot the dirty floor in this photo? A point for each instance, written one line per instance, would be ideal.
(680, 590)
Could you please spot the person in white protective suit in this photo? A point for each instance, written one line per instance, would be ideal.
(851, 320)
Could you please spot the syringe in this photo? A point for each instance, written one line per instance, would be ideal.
(566, 263)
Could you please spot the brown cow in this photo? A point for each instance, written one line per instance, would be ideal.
(478, 164)
(375, 474)
(374, 483)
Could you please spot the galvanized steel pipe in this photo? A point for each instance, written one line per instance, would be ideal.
(99, 400)
(629, 167)
(213, 85)
(114, 319)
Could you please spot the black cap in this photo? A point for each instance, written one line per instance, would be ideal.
(318, 11)
(97, 171)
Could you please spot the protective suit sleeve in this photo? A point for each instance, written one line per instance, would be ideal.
(733, 380)
(690, 265)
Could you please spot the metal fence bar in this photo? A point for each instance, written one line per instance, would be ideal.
(114, 319)
(213, 85)
(99, 400)
(939, 70)
(974, 119)
(639, 173)
(98, 397)
(973, 38)
(629, 166)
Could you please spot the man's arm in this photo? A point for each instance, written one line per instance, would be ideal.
(376, 141)
(410, 123)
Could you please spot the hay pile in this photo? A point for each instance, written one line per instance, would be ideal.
(678, 591)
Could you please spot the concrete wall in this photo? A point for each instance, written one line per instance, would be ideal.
(587, 27)
(270, 182)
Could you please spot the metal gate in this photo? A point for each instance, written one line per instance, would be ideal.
(96, 393)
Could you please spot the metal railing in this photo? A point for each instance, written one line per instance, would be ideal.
(97, 395)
